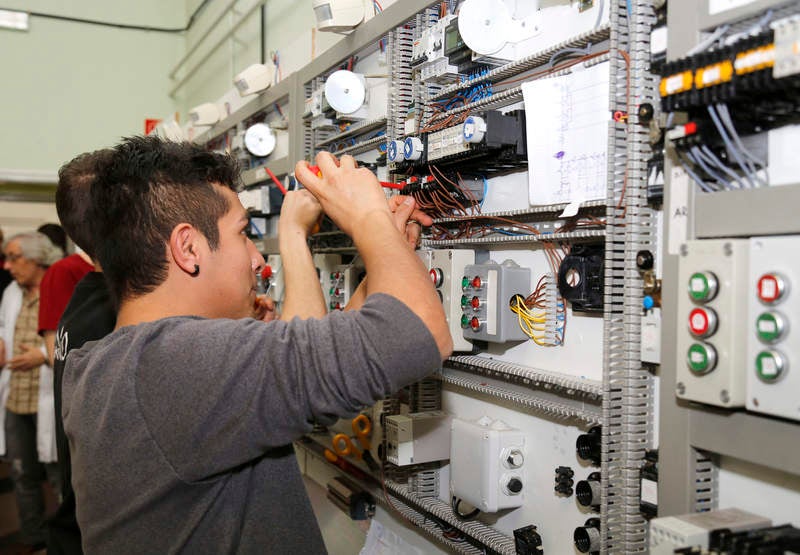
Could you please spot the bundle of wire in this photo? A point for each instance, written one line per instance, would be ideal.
(534, 318)
(711, 173)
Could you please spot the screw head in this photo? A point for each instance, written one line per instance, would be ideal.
(684, 250)
(724, 397)
(680, 388)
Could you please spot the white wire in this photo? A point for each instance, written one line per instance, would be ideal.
(713, 159)
(600, 6)
(732, 148)
(712, 38)
(696, 178)
(725, 115)
(695, 157)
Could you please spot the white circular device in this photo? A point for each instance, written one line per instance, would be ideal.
(259, 140)
(345, 91)
(413, 148)
(474, 129)
(394, 151)
(484, 25)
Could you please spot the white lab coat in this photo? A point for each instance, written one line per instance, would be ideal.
(46, 414)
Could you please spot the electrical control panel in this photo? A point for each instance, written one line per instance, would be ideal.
(773, 344)
(487, 464)
(487, 293)
(446, 268)
(417, 438)
(326, 264)
(429, 57)
(274, 282)
(342, 282)
(711, 309)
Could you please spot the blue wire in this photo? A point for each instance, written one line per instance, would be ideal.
(485, 189)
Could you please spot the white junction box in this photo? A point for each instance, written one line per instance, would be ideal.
(487, 464)
(773, 343)
(711, 334)
(692, 530)
(418, 437)
(446, 267)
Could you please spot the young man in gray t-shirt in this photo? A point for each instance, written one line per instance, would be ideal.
(180, 422)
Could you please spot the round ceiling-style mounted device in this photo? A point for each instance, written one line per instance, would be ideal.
(259, 140)
(345, 91)
(484, 25)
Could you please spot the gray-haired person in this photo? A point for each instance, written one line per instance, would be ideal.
(26, 382)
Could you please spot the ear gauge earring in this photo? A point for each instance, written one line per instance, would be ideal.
(196, 271)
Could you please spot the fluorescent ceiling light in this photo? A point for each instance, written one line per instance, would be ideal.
(14, 20)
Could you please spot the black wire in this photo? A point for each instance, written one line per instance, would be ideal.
(118, 25)
(469, 516)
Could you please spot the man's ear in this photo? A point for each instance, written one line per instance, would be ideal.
(184, 247)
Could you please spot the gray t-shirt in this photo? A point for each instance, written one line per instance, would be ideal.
(180, 429)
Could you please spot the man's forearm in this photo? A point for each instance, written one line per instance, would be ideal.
(396, 270)
(302, 291)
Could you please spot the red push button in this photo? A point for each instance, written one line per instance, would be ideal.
(477, 283)
(437, 277)
(702, 322)
(771, 288)
(475, 324)
(475, 303)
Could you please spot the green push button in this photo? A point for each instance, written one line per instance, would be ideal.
(770, 365)
(701, 358)
(464, 321)
(464, 301)
(770, 327)
(702, 286)
(464, 282)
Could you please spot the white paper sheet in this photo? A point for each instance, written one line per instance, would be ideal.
(567, 133)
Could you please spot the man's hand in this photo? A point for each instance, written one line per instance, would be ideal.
(30, 358)
(264, 309)
(300, 212)
(408, 218)
(347, 194)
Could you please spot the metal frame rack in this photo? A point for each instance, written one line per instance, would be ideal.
(622, 402)
(694, 435)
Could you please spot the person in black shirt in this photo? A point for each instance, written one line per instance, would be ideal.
(90, 315)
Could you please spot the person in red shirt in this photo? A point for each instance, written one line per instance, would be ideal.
(55, 291)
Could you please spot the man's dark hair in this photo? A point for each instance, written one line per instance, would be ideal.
(75, 179)
(56, 234)
(147, 187)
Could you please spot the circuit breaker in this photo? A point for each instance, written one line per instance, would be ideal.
(487, 292)
(670, 533)
(446, 267)
(487, 464)
(417, 438)
(711, 335)
(773, 345)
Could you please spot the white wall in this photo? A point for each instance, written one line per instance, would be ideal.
(72, 87)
